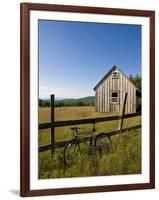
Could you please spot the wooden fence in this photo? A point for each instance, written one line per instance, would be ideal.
(53, 124)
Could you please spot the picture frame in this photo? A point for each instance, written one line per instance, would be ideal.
(27, 43)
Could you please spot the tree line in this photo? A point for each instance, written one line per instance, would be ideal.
(63, 103)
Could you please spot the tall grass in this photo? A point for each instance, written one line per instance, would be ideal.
(124, 157)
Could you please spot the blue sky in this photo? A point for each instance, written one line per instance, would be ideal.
(74, 56)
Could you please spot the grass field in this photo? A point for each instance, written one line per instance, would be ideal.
(124, 157)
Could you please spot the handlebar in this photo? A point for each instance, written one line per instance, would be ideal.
(75, 128)
(78, 128)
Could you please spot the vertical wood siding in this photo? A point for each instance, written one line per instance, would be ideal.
(121, 84)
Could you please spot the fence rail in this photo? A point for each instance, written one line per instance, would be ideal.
(85, 139)
(85, 121)
(53, 124)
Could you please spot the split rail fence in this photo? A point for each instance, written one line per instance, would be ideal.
(54, 124)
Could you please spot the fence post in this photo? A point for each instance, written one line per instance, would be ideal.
(52, 104)
(123, 112)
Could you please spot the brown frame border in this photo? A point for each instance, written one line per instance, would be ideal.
(25, 9)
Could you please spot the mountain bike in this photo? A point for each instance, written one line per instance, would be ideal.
(96, 142)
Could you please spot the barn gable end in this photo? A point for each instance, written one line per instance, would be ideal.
(109, 92)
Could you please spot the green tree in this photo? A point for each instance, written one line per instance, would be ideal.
(80, 103)
(137, 82)
(43, 103)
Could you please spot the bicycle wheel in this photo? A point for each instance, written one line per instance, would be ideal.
(71, 153)
(103, 143)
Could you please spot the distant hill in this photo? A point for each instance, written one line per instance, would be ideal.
(85, 101)
(88, 99)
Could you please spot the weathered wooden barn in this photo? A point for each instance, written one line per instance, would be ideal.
(110, 91)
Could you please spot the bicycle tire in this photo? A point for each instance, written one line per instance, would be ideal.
(104, 144)
(71, 152)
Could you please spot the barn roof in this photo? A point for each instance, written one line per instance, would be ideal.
(109, 72)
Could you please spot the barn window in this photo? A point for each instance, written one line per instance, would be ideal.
(115, 74)
(114, 97)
